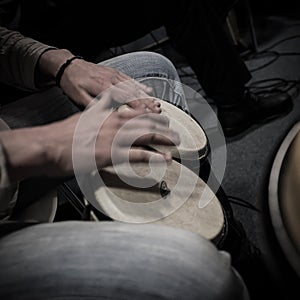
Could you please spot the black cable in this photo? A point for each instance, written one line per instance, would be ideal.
(242, 202)
(274, 86)
(275, 55)
(282, 41)
(289, 53)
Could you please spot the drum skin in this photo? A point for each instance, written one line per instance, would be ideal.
(181, 207)
(193, 141)
(214, 220)
(280, 203)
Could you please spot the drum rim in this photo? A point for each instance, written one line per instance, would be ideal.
(203, 152)
(278, 226)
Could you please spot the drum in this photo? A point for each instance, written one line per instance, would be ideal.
(172, 199)
(193, 139)
(282, 213)
(179, 198)
(174, 195)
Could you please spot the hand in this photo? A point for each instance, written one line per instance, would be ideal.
(82, 81)
(96, 135)
(47, 150)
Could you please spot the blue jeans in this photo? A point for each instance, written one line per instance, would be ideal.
(95, 260)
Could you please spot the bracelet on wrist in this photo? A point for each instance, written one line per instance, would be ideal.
(63, 67)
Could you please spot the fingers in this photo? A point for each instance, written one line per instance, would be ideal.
(149, 120)
(131, 92)
(146, 89)
(162, 137)
(150, 105)
(146, 132)
(136, 84)
(142, 155)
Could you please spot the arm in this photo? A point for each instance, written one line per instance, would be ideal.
(29, 65)
(19, 56)
(47, 150)
(82, 81)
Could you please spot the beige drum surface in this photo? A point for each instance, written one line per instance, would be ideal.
(177, 205)
(284, 200)
(193, 143)
(193, 139)
(290, 192)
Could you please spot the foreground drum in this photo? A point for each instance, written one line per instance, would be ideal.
(193, 145)
(282, 214)
(174, 199)
(174, 195)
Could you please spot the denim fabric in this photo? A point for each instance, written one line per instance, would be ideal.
(156, 71)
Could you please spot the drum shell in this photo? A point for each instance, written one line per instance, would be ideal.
(281, 256)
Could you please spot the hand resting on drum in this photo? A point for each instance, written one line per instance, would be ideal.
(47, 150)
(83, 80)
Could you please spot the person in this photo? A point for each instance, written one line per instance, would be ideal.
(81, 260)
(195, 29)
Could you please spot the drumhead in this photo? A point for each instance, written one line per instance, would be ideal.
(171, 199)
(284, 201)
(193, 139)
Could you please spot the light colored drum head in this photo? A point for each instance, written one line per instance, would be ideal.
(193, 143)
(171, 200)
(193, 139)
(290, 192)
(284, 197)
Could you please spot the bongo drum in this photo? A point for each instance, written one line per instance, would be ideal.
(193, 145)
(172, 199)
(177, 197)
(282, 213)
(193, 139)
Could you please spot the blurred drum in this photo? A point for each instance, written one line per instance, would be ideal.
(172, 195)
(193, 145)
(282, 213)
(176, 196)
(193, 139)
(171, 198)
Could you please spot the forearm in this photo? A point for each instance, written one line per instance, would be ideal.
(39, 151)
(25, 152)
(18, 59)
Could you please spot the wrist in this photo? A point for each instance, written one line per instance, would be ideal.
(63, 67)
(51, 61)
